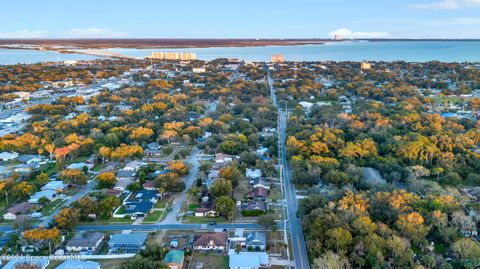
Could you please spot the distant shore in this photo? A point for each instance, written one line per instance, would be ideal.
(59, 44)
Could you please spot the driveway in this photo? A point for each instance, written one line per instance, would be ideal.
(180, 198)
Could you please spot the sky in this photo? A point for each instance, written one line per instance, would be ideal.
(240, 19)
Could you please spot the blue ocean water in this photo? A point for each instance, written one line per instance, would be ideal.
(411, 51)
(14, 56)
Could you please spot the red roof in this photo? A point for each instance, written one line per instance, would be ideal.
(211, 239)
(258, 192)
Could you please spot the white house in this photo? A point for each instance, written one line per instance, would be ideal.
(134, 165)
(247, 260)
(197, 70)
(35, 198)
(8, 156)
(80, 166)
(122, 184)
(15, 210)
(55, 185)
(262, 151)
(253, 173)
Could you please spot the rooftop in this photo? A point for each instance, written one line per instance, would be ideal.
(174, 256)
(128, 239)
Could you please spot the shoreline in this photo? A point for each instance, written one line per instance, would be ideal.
(152, 43)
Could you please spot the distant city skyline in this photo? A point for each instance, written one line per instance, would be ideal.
(454, 19)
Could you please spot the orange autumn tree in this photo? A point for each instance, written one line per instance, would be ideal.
(41, 236)
(140, 134)
(73, 176)
(67, 218)
(126, 151)
(178, 167)
(105, 153)
(356, 203)
(50, 148)
(411, 226)
(106, 180)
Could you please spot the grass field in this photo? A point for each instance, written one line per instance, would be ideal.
(48, 208)
(154, 216)
(191, 219)
(208, 261)
(110, 263)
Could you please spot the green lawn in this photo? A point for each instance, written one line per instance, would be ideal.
(105, 220)
(79, 160)
(210, 260)
(46, 210)
(98, 167)
(110, 263)
(191, 219)
(154, 216)
(121, 210)
(54, 264)
(51, 168)
(192, 207)
(161, 204)
(275, 193)
(3, 205)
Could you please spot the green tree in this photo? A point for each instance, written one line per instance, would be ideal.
(221, 187)
(339, 239)
(41, 180)
(225, 205)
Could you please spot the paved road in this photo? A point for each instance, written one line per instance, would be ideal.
(294, 225)
(180, 199)
(85, 190)
(179, 226)
(234, 76)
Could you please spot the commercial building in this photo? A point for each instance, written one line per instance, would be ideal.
(366, 66)
(173, 56)
(278, 58)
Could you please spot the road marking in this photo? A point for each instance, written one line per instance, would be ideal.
(299, 251)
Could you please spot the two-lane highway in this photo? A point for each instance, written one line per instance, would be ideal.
(294, 225)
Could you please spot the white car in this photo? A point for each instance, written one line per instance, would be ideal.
(36, 215)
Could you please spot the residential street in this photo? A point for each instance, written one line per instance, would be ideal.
(294, 225)
(190, 179)
(82, 192)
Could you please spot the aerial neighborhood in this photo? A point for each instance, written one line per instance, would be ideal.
(236, 164)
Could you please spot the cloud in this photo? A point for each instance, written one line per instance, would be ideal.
(347, 33)
(466, 21)
(24, 34)
(448, 4)
(95, 32)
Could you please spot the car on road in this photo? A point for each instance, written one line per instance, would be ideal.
(212, 223)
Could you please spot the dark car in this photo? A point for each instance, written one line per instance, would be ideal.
(212, 223)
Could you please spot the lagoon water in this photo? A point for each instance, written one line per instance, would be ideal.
(411, 51)
(14, 56)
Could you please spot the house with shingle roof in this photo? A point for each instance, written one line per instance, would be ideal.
(18, 209)
(84, 241)
(258, 193)
(211, 241)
